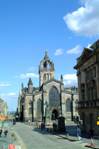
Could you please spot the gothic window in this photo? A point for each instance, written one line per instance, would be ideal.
(54, 97)
(48, 66)
(45, 64)
(68, 105)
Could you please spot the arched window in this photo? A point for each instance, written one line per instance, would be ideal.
(47, 65)
(54, 97)
(68, 105)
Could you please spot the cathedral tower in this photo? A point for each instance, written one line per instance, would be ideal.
(46, 70)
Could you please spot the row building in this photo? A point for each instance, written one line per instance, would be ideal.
(88, 84)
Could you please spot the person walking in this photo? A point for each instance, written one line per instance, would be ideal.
(91, 133)
(78, 133)
(0, 132)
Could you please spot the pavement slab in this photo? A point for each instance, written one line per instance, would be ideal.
(39, 140)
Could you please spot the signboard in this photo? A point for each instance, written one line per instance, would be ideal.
(97, 123)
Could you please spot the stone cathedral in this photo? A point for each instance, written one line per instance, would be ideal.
(49, 100)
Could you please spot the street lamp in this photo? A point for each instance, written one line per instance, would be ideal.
(32, 106)
(42, 105)
(73, 91)
(60, 100)
(22, 111)
(72, 114)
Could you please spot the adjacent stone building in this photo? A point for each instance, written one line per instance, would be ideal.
(49, 100)
(3, 107)
(88, 83)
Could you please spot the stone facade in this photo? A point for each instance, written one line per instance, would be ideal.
(88, 84)
(49, 100)
(3, 107)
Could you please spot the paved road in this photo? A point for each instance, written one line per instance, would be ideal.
(36, 140)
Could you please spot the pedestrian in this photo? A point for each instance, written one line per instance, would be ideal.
(91, 133)
(29, 122)
(5, 132)
(78, 133)
(0, 132)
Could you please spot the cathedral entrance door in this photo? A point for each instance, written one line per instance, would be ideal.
(55, 114)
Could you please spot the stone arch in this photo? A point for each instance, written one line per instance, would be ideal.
(55, 114)
(54, 97)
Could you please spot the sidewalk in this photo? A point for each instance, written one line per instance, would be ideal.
(17, 140)
(88, 143)
(92, 143)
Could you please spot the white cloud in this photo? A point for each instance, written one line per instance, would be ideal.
(70, 80)
(28, 75)
(75, 50)
(84, 20)
(5, 84)
(10, 94)
(58, 52)
(88, 46)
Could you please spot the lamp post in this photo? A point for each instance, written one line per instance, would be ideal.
(72, 99)
(72, 106)
(60, 101)
(42, 105)
(32, 106)
(22, 110)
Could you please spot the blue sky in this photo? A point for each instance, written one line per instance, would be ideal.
(30, 27)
